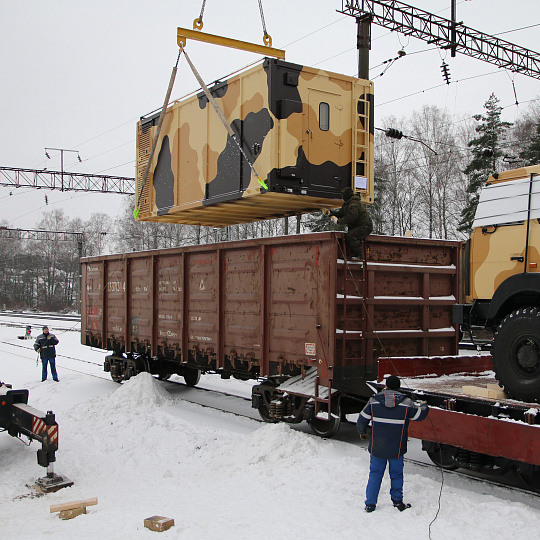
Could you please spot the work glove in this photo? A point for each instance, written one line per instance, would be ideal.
(325, 211)
(417, 398)
(364, 436)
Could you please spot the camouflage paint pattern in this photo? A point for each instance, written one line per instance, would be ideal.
(492, 248)
(278, 110)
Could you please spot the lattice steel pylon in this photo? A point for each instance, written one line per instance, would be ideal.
(41, 234)
(66, 181)
(445, 33)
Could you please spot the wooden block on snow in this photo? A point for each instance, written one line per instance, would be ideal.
(475, 391)
(492, 391)
(495, 391)
(74, 512)
(83, 503)
(158, 523)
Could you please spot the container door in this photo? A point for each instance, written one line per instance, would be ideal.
(324, 139)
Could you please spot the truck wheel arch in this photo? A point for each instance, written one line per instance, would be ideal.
(516, 291)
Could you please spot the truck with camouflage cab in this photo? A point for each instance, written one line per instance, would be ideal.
(308, 133)
(502, 278)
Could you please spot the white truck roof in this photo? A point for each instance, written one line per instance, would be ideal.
(506, 201)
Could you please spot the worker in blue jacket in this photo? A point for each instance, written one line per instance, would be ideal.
(45, 344)
(389, 412)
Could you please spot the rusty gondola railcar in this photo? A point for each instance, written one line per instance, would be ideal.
(290, 310)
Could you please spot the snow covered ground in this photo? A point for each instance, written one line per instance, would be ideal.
(143, 451)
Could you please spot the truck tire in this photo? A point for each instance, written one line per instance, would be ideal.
(516, 354)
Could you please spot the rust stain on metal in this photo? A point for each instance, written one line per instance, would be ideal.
(267, 306)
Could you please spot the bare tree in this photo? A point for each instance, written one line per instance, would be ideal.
(436, 171)
(395, 169)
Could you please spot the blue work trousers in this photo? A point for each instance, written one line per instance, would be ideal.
(52, 362)
(377, 466)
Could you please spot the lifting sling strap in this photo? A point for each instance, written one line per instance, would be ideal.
(221, 116)
(158, 131)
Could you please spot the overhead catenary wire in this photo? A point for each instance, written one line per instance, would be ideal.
(304, 37)
(300, 39)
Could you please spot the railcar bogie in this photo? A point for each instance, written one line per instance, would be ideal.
(292, 310)
(530, 475)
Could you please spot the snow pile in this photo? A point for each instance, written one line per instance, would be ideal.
(141, 391)
(270, 445)
(143, 451)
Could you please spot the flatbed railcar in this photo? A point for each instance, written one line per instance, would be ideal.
(291, 312)
(488, 434)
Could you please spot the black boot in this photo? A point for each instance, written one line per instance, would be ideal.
(400, 505)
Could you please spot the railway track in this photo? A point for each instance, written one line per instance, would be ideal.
(8, 319)
(47, 316)
(432, 467)
(238, 405)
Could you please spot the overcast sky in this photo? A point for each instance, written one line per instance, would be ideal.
(78, 74)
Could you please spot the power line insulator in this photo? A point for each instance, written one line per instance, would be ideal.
(445, 72)
(393, 133)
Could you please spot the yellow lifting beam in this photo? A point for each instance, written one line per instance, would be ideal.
(184, 34)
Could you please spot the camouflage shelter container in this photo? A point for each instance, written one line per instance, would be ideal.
(307, 132)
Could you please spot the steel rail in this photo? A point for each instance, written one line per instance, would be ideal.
(463, 473)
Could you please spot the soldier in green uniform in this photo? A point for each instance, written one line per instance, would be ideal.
(353, 214)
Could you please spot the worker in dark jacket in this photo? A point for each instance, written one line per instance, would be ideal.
(45, 343)
(389, 413)
(353, 214)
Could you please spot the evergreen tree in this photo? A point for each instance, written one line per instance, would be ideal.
(377, 209)
(531, 154)
(486, 155)
(318, 222)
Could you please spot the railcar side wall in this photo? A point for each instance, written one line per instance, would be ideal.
(397, 304)
(276, 306)
(263, 307)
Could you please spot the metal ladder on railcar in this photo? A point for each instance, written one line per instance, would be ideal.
(350, 281)
(354, 291)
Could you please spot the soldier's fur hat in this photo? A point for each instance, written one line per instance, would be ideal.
(347, 193)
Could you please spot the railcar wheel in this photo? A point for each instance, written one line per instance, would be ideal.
(516, 354)
(164, 376)
(264, 413)
(530, 475)
(192, 376)
(443, 455)
(327, 428)
(117, 378)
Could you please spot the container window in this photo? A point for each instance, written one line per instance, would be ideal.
(324, 116)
